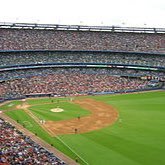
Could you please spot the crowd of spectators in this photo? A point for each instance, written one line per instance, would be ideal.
(26, 58)
(33, 39)
(69, 84)
(15, 147)
(62, 81)
(18, 149)
(25, 73)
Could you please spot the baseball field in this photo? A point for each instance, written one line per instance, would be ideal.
(123, 129)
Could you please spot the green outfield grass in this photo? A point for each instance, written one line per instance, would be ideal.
(46, 100)
(10, 105)
(24, 119)
(138, 138)
(70, 111)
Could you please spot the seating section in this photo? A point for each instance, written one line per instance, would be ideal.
(69, 84)
(110, 52)
(33, 39)
(25, 73)
(26, 58)
(17, 148)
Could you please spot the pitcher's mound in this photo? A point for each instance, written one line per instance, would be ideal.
(57, 110)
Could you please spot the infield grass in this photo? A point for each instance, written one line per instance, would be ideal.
(138, 138)
(43, 111)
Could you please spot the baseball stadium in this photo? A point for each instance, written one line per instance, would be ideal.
(76, 94)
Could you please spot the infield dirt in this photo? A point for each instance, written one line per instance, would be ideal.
(101, 116)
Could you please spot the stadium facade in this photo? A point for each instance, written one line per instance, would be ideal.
(34, 51)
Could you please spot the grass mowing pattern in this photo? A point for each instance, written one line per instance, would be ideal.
(47, 100)
(10, 105)
(25, 120)
(70, 111)
(138, 140)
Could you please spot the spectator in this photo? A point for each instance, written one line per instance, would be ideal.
(27, 58)
(17, 148)
(33, 39)
(69, 84)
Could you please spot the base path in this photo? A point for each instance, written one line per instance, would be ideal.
(102, 115)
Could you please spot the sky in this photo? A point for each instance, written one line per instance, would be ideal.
(124, 13)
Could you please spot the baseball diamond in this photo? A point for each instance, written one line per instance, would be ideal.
(81, 95)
